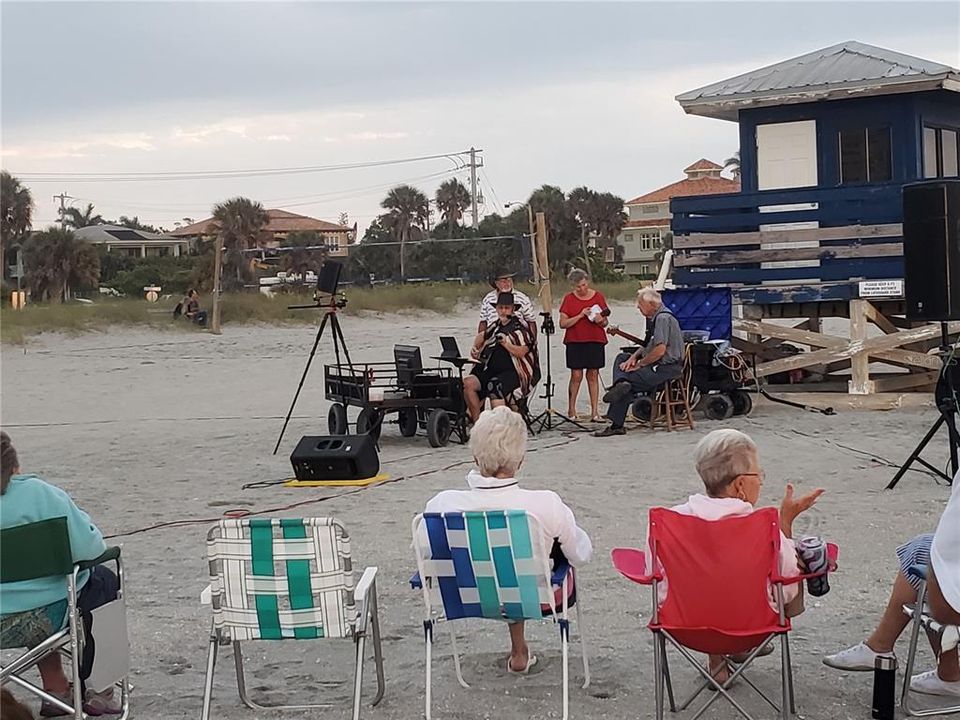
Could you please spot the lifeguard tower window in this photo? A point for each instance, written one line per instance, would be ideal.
(941, 155)
(865, 155)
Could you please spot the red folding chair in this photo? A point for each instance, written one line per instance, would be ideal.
(720, 574)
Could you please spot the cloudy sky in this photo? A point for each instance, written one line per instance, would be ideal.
(560, 93)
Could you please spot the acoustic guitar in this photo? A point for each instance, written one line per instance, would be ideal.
(615, 330)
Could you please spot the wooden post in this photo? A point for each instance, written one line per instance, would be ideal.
(860, 383)
(543, 261)
(217, 268)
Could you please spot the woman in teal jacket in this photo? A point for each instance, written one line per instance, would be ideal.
(33, 610)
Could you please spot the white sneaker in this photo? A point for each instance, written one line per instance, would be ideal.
(859, 658)
(929, 684)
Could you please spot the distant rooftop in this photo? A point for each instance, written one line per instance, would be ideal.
(281, 221)
(703, 178)
(839, 71)
(117, 233)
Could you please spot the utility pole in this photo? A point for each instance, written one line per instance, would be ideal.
(63, 197)
(475, 162)
(217, 269)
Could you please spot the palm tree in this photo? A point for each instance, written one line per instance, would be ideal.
(299, 260)
(16, 214)
(453, 199)
(408, 208)
(239, 223)
(56, 262)
(76, 219)
(609, 217)
(583, 204)
(733, 164)
(16, 210)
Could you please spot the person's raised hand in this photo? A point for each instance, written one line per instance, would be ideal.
(792, 506)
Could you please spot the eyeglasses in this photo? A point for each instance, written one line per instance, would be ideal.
(759, 475)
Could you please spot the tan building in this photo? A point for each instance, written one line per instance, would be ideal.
(648, 216)
(338, 238)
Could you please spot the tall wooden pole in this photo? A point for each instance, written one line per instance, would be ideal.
(543, 263)
(217, 269)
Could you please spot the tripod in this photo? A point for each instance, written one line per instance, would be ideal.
(947, 405)
(329, 314)
(550, 418)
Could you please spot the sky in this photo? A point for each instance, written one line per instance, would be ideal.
(572, 93)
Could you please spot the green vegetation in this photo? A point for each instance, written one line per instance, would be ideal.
(18, 326)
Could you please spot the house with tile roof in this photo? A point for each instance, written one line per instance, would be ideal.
(648, 216)
(338, 238)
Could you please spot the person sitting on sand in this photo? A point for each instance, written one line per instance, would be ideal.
(33, 610)
(728, 463)
(940, 552)
(191, 308)
(498, 442)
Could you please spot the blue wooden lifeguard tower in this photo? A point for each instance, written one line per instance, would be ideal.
(827, 142)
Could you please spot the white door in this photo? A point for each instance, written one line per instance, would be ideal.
(787, 158)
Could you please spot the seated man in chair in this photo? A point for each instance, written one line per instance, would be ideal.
(659, 360)
(507, 366)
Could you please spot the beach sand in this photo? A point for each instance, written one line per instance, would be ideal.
(143, 427)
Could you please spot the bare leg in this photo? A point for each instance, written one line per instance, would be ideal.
(948, 667)
(593, 387)
(471, 394)
(894, 620)
(519, 651)
(52, 675)
(719, 668)
(573, 389)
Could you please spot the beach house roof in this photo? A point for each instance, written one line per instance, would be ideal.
(845, 70)
(280, 221)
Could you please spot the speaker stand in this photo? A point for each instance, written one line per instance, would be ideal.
(948, 416)
(339, 343)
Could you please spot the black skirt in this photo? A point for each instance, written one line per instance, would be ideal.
(586, 356)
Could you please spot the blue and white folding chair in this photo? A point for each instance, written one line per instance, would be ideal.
(946, 634)
(490, 565)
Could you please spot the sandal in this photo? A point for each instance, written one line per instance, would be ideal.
(531, 661)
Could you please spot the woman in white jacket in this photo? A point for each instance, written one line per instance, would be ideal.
(498, 441)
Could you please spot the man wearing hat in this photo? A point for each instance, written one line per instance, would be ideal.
(502, 282)
(507, 366)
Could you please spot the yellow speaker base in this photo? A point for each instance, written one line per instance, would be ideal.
(337, 483)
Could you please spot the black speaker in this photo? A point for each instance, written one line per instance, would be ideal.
(335, 457)
(931, 249)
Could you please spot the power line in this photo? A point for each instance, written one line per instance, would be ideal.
(225, 174)
(490, 185)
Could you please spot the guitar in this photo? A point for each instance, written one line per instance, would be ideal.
(615, 330)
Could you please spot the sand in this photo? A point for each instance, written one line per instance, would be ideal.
(142, 427)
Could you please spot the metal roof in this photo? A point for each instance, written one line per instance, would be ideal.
(111, 234)
(830, 73)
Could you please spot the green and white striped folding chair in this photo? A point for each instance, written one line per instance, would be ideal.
(287, 579)
(489, 565)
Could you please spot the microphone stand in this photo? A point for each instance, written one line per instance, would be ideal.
(550, 418)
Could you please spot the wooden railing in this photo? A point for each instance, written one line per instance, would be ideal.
(858, 236)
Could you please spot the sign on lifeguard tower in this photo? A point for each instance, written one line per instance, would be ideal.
(152, 292)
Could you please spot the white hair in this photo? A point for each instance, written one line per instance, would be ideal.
(721, 456)
(648, 294)
(576, 275)
(498, 441)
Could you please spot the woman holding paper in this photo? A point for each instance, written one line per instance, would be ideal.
(583, 315)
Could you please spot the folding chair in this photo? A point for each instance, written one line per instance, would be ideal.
(719, 575)
(287, 579)
(490, 565)
(947, 636)
(41, 550)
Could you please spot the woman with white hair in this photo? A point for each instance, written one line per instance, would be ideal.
(498, 442)
(728, 463)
